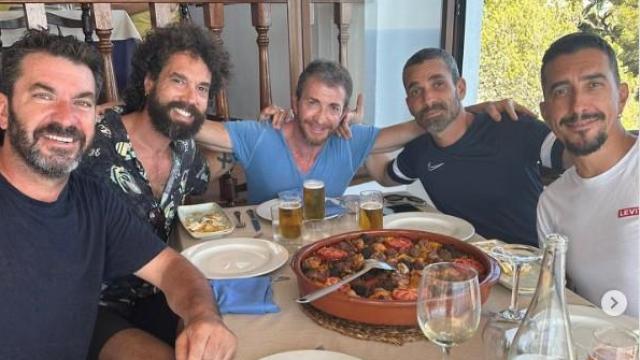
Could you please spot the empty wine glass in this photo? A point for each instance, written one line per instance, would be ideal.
(500, 329)
(448, 304)
(516, 255)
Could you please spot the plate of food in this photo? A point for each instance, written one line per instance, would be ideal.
(432, 222)
(382, 297)
(236, 258)
(205, 221)
(332, 208)
(528, 274)
(310, 355)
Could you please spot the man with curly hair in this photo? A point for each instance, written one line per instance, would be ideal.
(146, 152)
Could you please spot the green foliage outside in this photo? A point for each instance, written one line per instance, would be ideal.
(515, 34)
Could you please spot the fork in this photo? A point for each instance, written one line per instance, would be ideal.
(239, 223)
(368, 265)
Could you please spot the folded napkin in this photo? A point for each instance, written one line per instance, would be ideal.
(332, 209)
(244, 296)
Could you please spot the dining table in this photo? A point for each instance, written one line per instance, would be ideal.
(293, 329)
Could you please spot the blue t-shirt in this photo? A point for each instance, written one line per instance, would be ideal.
(270, 167)
(489, 177)
(53, 260)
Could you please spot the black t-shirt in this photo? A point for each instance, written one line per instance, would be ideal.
(53, 260)
(489, 177)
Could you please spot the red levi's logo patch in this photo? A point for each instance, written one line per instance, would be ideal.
(630, 211)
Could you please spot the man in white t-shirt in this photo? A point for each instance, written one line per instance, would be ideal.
(595, 203)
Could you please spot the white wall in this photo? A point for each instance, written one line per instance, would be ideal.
(394, 30)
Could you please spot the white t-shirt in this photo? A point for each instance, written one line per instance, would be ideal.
(599, 215)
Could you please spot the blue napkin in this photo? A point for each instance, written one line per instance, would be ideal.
(332, 209)
(244, 296)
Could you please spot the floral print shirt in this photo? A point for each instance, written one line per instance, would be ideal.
(111, 157)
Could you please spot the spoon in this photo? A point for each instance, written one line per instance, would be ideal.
(368, 265)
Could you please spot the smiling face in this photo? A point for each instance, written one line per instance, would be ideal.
(178, 99)
(50, 116)
(432, 96)
(582, 100)
(319, 110)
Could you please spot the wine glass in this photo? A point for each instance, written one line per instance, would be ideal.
(448, 304)
(500, 329)
(516, 255)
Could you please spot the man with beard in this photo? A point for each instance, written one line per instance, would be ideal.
(148, 156)
(63, 233)
(483, 171)
(306, 147)
(594, 203)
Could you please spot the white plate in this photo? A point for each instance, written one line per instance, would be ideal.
(264, 210)
(185, 211)
(586, 319)
(235, 258)
(310, 355)
(433, 222)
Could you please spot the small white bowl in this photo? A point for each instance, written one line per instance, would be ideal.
(186, 211)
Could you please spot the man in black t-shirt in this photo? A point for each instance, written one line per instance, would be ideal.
(63, 234)
(483, 171)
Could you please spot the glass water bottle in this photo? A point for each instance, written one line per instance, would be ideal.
(545, 332)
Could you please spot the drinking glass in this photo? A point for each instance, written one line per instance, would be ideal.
(612, 343)
(313, 195)
(516, 255)
(286, 217)
(448, 304)
(500, 329)
(370, 210)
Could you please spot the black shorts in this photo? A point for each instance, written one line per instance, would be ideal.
(151, 314)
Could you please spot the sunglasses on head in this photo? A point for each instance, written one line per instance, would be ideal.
(395, 198)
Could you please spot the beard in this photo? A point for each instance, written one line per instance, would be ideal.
(584, 146)
(310, 139)
(437, 124)
(163, 123)
(61, 162)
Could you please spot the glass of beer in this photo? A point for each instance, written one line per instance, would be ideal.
(313, 193)
(370, 210)
(289, 215)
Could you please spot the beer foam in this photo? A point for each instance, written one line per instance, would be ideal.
(371, 205)
(313, 184)
(290, 205)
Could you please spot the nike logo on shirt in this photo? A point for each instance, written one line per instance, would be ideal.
(433, 167)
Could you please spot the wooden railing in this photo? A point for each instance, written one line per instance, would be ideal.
(97, 17)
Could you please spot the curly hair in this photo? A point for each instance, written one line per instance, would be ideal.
(160, 44)
(37, 41)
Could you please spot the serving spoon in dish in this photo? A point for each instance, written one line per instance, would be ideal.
(368, 265)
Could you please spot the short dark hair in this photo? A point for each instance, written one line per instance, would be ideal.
(328, 72)
(434, 53)
(160, 44)
(38, 41)
(575, 42)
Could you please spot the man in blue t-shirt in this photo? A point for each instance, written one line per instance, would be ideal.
(64, 234)
(483, 171)
(279, 159)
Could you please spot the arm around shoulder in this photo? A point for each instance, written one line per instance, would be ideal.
(214, 136)
(395, 137)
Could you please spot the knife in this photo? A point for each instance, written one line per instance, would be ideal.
(254, 220)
